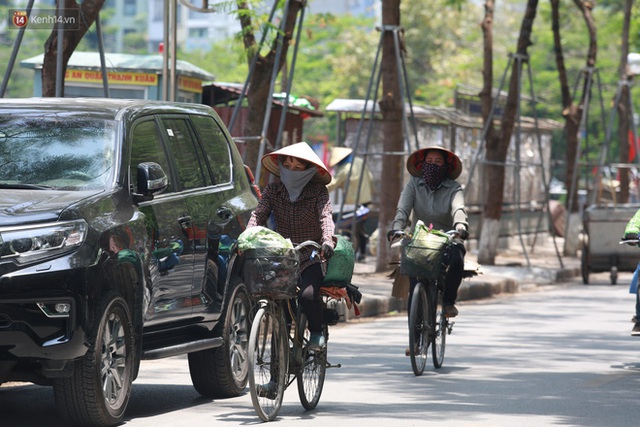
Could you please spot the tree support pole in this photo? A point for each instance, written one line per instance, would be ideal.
(404, 92)
(14, 53)
(520, 60)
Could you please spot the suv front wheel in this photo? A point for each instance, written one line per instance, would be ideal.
(222, 372)
(98, 391)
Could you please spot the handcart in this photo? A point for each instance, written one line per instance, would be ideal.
(601, 251)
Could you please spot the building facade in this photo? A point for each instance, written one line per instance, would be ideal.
(128, 76)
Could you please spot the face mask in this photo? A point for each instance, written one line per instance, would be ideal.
(433, 174)
(295, 181)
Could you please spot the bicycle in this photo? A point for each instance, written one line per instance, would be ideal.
(279, 353)
(428, 326)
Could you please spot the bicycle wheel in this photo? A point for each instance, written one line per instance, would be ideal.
(268, 347)
(440, 326)
(418, 329)
(312, 367)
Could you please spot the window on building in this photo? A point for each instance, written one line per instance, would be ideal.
(157, 10)
(198, 33)
(130, 8)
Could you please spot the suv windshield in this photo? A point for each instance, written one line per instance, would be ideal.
(70, 152)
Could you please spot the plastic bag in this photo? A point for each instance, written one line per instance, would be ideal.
(262, 237)
(341, 264)
(423, 255)
(271, 265)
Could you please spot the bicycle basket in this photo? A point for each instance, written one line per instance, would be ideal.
(422, 256)
(271, 272)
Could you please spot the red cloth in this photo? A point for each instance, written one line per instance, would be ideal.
(632, 148)
(338, 293)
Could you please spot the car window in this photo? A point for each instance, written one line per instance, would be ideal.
(183, 153)
(216, 148)
(67, 152)
(147, 147)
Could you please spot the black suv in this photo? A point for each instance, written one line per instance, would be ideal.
(118, 227)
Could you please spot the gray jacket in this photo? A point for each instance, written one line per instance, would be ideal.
(444, 207)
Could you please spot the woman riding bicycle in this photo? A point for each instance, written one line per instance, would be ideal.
(301, 210)
(436, 198)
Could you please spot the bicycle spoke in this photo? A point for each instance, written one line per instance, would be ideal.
(267, 370)
(440, 328)
(419, 330)
(312, 370)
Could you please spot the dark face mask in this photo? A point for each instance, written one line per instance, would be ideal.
(433, 174)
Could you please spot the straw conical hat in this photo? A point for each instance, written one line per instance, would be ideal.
(302, 151)
(415, 160)
(338, 154)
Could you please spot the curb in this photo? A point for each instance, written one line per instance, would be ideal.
(479, 287)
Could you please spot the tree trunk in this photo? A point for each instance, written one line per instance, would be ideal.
(497, 147)
(570, 114)
(89, 10)
(490, 228)
(393, 133)
(624, 138)
(573, 122)
(260, 82)
(623, 107)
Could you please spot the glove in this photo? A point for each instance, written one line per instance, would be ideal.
(391, 234)
(326, 251)
(354, 294)
(462, 232)
(630, 236)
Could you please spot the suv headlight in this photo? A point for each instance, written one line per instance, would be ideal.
(28, 244)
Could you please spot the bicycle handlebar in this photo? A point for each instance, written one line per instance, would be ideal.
(401, 234)
(307, 243)
(630, 242)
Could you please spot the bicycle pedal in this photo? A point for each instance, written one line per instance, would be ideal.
(330, 316)
(450, 327)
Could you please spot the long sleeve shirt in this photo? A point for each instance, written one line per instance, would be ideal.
(633, 226)
(443, 207)
(308, 218)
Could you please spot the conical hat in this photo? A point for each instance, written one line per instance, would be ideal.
(415, 160)
(302, 151)
(338, 154)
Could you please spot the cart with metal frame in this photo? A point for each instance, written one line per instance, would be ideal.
(601, 251)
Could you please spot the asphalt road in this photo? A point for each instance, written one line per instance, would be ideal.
(554, 356)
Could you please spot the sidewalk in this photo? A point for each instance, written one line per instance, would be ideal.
(510, 274)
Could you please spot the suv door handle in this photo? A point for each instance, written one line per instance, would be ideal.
(224, 213)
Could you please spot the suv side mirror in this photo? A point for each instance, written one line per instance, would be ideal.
(152, 180)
